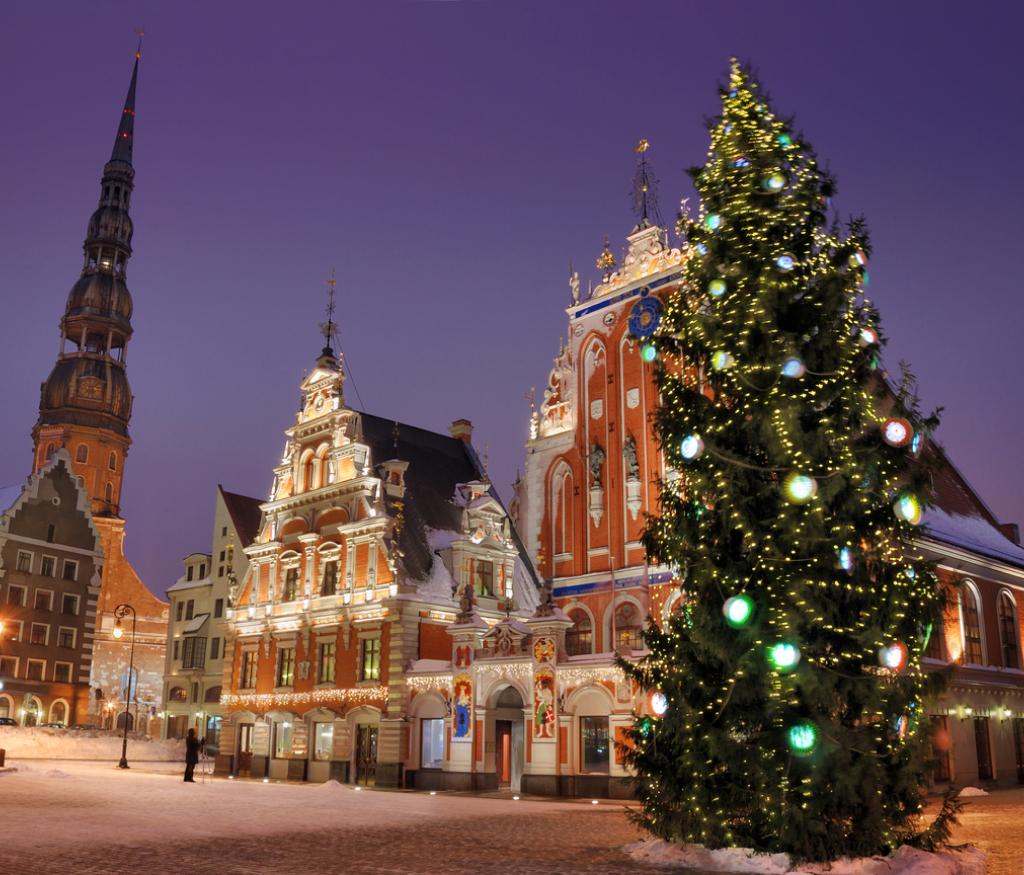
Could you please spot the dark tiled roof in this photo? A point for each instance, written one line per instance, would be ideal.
(437, 463)
(245, 515)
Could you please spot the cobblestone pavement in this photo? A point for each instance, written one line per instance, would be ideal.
(995, 823)
(94, 821)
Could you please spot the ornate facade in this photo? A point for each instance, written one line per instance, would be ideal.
(85, 406)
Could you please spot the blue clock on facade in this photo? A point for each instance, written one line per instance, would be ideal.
(644, 317)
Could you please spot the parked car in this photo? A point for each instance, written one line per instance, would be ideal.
(53, 725)
(8, 721)
(83, 726)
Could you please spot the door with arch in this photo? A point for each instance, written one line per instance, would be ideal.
(509, 739)
(31, 711)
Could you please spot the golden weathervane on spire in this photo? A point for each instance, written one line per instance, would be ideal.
(642, 146)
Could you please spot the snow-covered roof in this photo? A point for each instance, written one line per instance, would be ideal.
(184, 583)
(195, 624)
(972, 533)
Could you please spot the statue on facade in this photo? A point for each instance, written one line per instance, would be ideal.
(546, 606)
(629, 452)
(596, 460)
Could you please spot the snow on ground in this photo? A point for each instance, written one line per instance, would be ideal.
(101, 804)
(972, 791)
(83, 744)
(905, 861)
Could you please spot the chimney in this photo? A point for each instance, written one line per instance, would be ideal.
(1011, 531)
(461, 429)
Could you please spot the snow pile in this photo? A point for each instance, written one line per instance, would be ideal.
(972, 791)
(83, 744)
(330, 786)
(56, 773)
(905, 861)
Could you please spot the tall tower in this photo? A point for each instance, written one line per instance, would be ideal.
(85, 405)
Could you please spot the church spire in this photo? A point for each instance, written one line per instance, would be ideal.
(85, 403)
(122, 150)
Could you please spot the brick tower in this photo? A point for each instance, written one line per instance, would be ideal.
(85, 405)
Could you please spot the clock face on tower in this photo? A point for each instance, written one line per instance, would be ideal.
(644, 317)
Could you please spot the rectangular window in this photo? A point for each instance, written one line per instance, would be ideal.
(48, 568)
(983, 745)
(215, 648)
(218, 608)
(190, 607)
(291, 585)
(202, 570)
(220, 571)
(39, 633)
(51, 532)
(44, 600)
(369, 663)
(330, 584)
(286, 666)
(594, 744)
(66, 636)
(177, 648)
(16, 595)
(69, 604)
(189, 574)
(14, 629)
(247, 675)
(221, 555)
(483, 577)
(24, 561)
(323, 741)
(8, 667)
(326, 661)
(35, 669)
(193, 652)
(432, 743)
(224, 531)
(62, 672)
(282, 739)
(179, 611)
(70, 570)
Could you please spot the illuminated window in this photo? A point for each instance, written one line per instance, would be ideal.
(247, 676)
(1009, 632)
(330, 582)
(24, 561)
(432, 751)
(629, 630)
(177, 694)
(594, 744)
(326, 661)
(970, 612)
(483, 577)
(579, 638)
(285, 666)
(369, 662)
(323, 741)
(291, 585)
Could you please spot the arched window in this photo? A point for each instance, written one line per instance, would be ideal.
(1009, 631)
(49, 451)
(82, 453)
(970, 616)
(5, 706)
(177, 694)
(59, 712)
(112, 461)
(629, 628)
(212, 694)
(561, 512)
(306, 471)
(30, 712)
(110, 493)
(579, 638)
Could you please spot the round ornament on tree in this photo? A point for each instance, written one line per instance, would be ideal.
(738, 610)
(897, 432)
(800, 488)
(691, 448)
(908, 508)
(803, 738)
(784, 656)
(793, 368)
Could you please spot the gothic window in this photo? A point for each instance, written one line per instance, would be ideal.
(82, 453)
(629, 629)
(561, 514)
(1009, 632)
(112, 462)
(110, 493)
(579, 638)
(970, 612)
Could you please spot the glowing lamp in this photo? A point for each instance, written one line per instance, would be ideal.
(717, 288)
(793, 368)
(712, 221)
(722, 360)
(868, 336)
(691, 448)
(738, 610)
(118, 631)
(785, 262)
(648, 352)
(783, 656)
(897, 432)
(893, 656)
(908, 508)
(774, 182)
(659, 704)
(803, 738)
(800, 488)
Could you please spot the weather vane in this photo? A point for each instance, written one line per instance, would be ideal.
(645, 186)
(141, 33)
(327, 328)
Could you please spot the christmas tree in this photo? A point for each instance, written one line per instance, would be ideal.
(791, 679)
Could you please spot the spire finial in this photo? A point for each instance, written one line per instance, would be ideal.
(328, 328)
(138, 51)
(645, 197)
(606, 260)
(123, 142)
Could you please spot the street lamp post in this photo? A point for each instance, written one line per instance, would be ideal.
(120, 612)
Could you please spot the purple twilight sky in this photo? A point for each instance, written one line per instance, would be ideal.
(450, 159)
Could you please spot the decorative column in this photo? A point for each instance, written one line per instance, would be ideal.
(467, 634)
